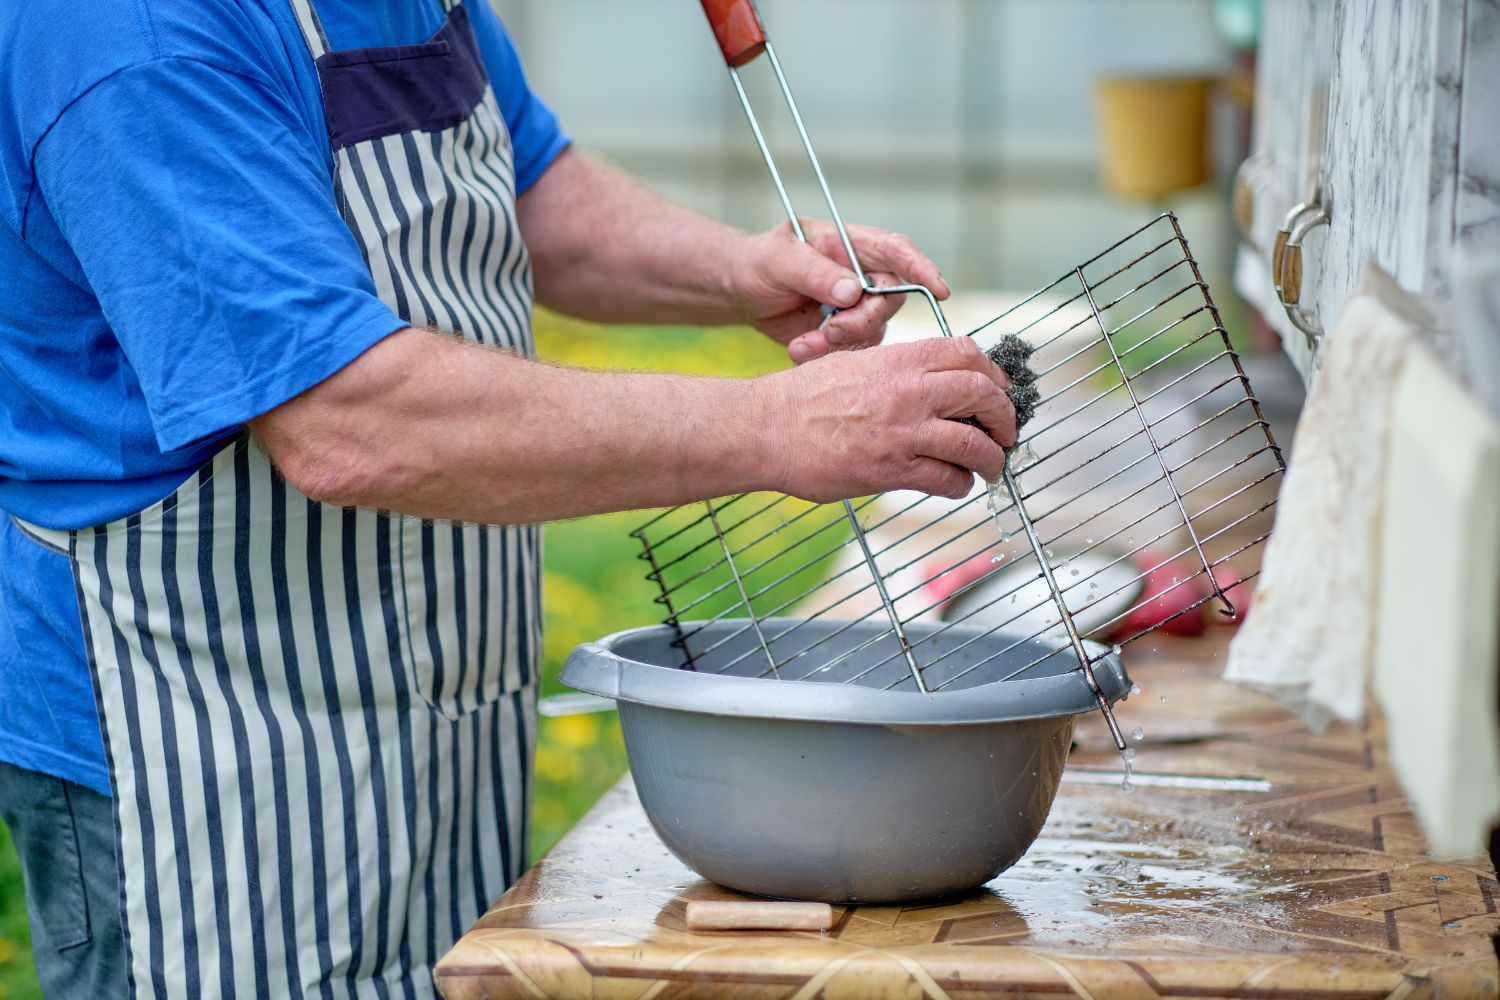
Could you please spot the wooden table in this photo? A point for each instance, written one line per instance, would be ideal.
(1304, 874)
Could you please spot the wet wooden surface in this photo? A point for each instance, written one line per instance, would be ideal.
(1311, 880)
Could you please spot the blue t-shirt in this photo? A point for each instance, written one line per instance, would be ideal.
(172, 264)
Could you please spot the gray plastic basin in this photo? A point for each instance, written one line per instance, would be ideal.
(844, 792)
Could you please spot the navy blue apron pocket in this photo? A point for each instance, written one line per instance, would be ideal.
(375, 92)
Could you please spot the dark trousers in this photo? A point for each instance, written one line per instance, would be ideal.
(65, 836)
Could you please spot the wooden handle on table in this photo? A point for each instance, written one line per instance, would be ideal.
(754, 915)
(737, 26)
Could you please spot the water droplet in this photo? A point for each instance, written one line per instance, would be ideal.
(1129, 540)
(1127, 786)
(1093, 585)
(998, 558)
(1439, 878)
(1048, 553)
(1088, 539)
(1115, 649)
(1128, 754)
(1137, 733)
(1135, 689)
(1452, 924)
(1162, 698)
(1074, 571)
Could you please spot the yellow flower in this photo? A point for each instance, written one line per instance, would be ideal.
(576, 731)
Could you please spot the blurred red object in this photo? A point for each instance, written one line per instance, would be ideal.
(1167, 600)
(1170, 592)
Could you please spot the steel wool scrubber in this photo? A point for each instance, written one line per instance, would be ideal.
(873, 701)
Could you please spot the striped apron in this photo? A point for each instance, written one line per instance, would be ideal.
(320, 720)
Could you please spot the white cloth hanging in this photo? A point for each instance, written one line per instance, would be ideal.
(1308, 638)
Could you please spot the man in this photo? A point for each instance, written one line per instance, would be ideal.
(270, 431)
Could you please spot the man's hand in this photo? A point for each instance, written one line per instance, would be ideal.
(779, 284)
(854, 424)
(606, 248)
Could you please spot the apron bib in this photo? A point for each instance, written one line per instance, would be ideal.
(320, 721)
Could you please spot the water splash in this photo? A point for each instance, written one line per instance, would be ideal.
(998, 505)
(1023, 455)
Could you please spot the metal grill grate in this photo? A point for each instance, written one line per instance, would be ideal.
(1146, 446)
(1145, 451)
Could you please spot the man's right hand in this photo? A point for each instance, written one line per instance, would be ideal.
(863, 422)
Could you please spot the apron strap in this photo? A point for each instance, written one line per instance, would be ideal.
(312, 28)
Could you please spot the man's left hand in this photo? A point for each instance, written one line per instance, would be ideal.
(781, 284)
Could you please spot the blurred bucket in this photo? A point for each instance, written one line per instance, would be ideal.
(1153, 133)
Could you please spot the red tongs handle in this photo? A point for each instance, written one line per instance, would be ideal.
(737, 26)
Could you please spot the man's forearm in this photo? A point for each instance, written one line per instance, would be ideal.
(428, 425)
(433, 427)
(605, 247)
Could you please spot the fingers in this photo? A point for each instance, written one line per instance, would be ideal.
(864, 324)
(938, 354)
(940, 479)
(962, 445)
(880, 250)
(807, 347)
(850, 329)
(955, 394)
(805, 271)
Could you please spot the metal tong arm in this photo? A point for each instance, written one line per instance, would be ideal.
(742, 39)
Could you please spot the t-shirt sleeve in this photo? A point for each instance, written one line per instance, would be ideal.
(201, 211)
(535, 134)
